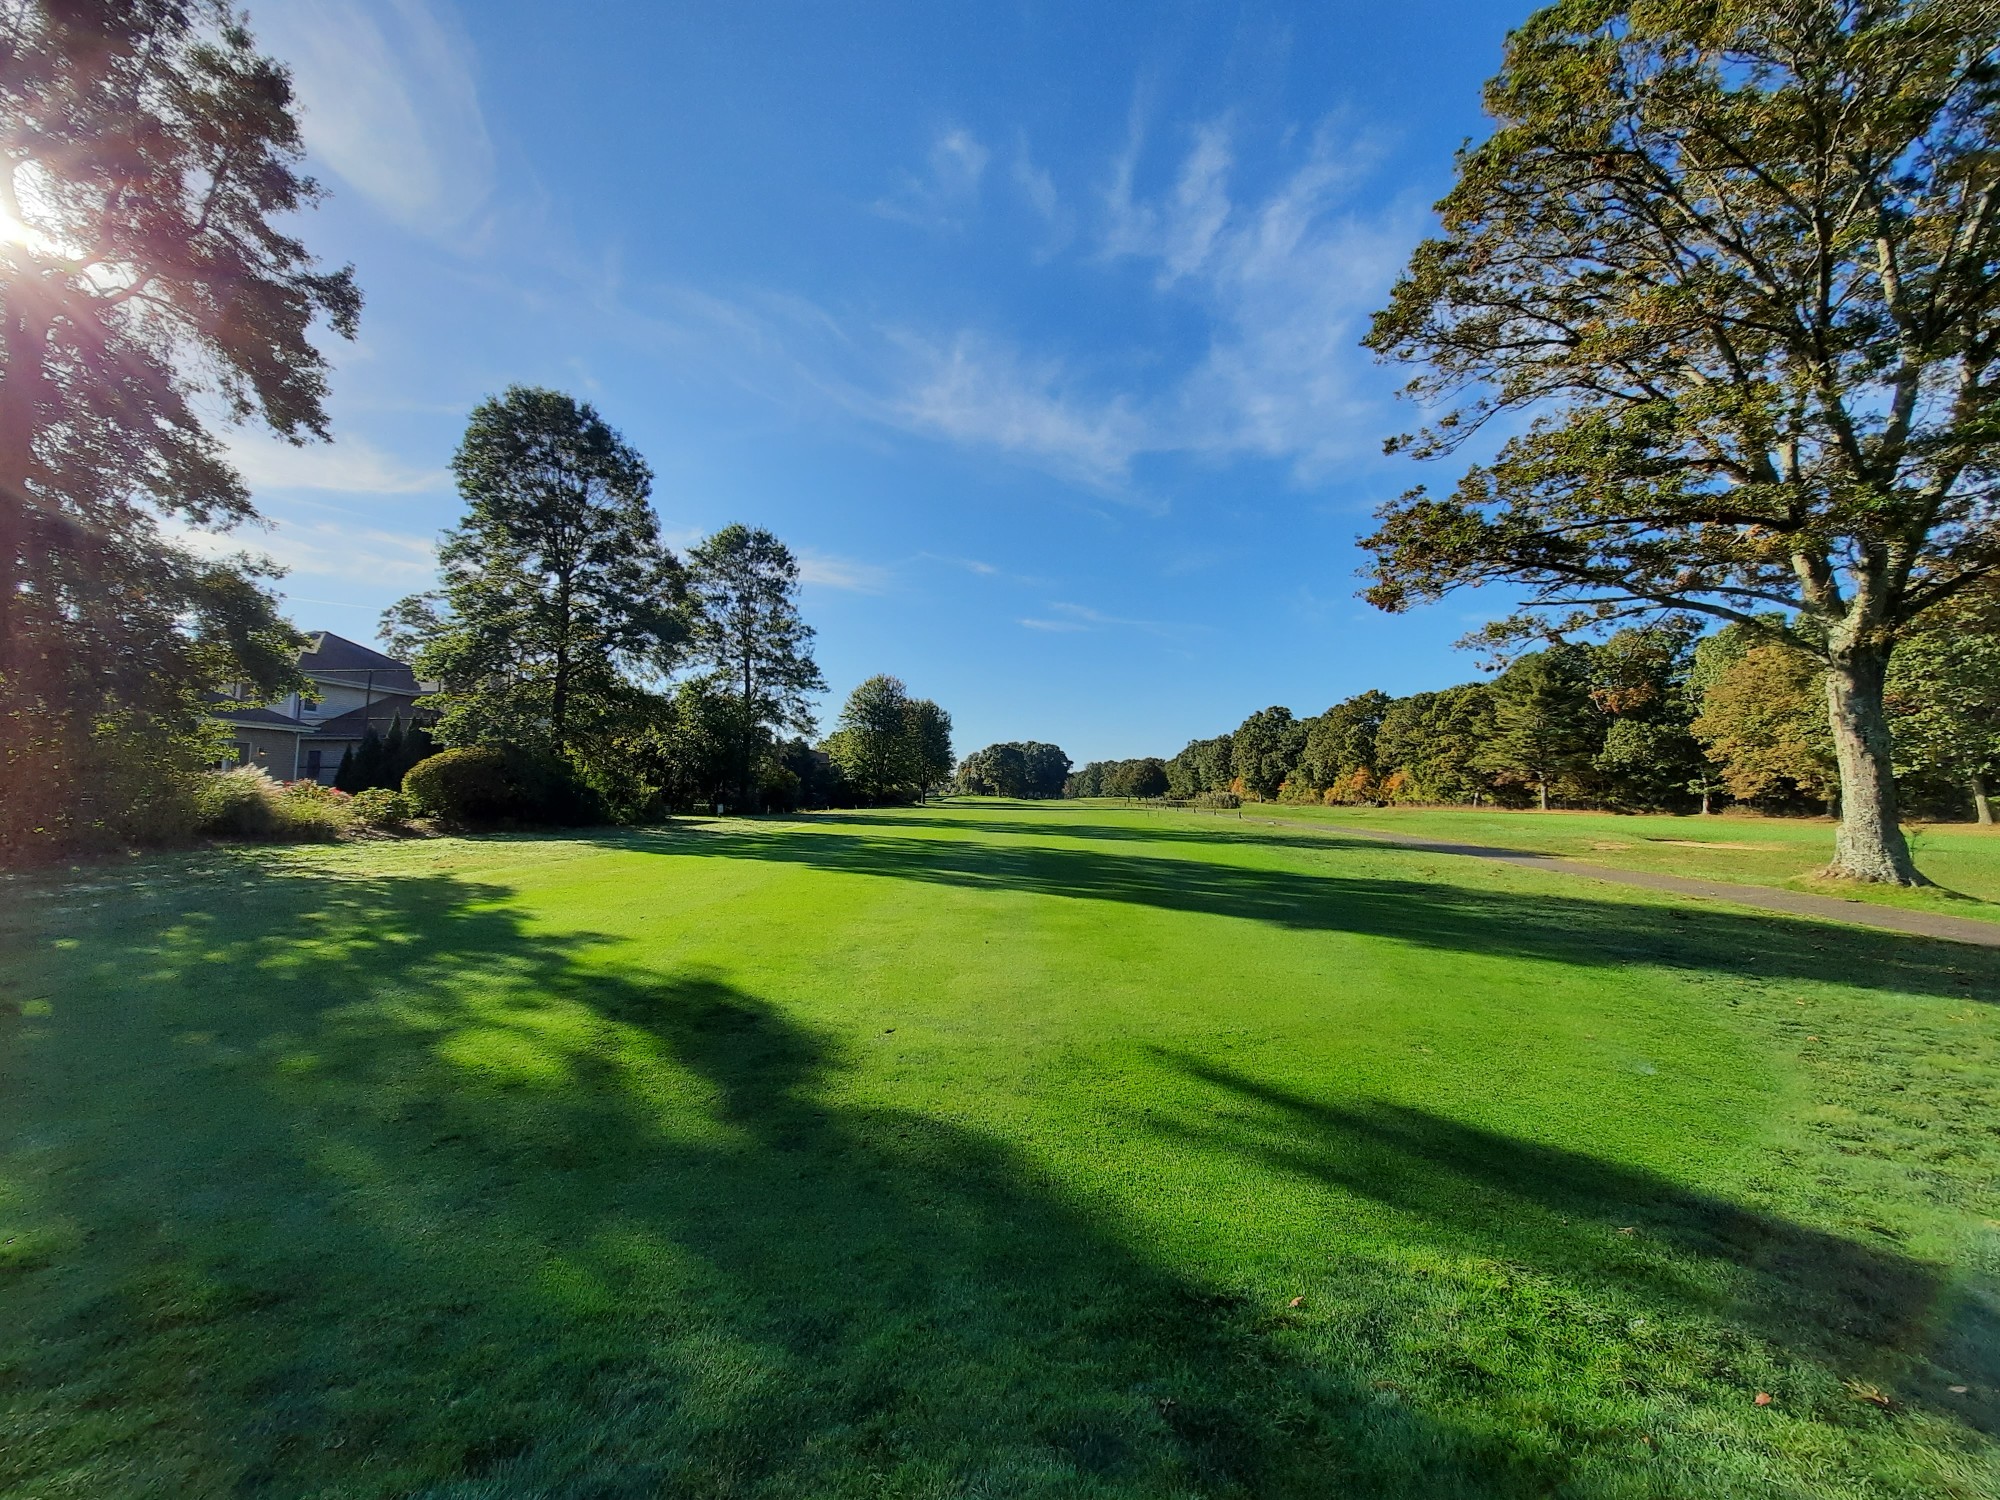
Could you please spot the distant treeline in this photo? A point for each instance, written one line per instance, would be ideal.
(1658, 718)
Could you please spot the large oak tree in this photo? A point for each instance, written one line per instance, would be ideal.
(1729, 270)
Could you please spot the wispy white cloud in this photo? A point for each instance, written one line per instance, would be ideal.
(1286, 280)
(947, 190)
(974, 392)
(390, 103)
(1061, 626)
(1075, 617)
(1037, 187)
(820, 570)
(1289, 280)
(348, 465)
(325, 549)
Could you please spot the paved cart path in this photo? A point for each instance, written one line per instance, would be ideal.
(1793, 903)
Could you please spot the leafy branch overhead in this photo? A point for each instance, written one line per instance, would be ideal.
(1738, 262)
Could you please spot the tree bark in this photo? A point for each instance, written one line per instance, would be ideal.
(21, 400)
(1868, 843)
(1982, 805)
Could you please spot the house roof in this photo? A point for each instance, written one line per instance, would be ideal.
(232, 712)
(338, 659)
(356, 722)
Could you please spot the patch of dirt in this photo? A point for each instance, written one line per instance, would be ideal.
(1698, 844)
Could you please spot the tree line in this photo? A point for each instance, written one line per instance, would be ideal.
(1654, 718)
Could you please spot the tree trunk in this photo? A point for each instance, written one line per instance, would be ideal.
(21, 399)
(1982, 806)
(749, 731)
(1542, 795)
(1869, 843)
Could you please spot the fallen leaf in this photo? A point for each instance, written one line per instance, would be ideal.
(1296, 1302)
(1763, 1398)
(1630, 1229)
(1956, 1390)
(1863, 1392)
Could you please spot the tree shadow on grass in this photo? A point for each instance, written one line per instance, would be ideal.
(375, 1187)
(371, 1189)
(1547, 927)
(1861, 1308)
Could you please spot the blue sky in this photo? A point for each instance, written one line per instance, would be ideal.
(1031, 327)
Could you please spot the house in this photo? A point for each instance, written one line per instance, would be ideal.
(358, 689)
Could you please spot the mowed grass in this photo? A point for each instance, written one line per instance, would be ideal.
(981, 1150)
(1962, 858)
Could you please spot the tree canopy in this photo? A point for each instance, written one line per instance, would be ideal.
(747, 627)
(889, 746)
(557, 604)
(1018, 768)
(149, 186)
(1736, 265)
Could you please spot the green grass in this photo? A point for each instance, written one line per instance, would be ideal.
(981, 1151)
(1963, 859)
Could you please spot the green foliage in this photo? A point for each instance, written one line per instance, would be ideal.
(1024, 768)
(557, 600)
(1546, 728)
(1143, 777)
(1728, 269)
(1202, 766)
(748, 630)
(475, 786)
(1944, 696)
(1763, 721)
(1339, 742)
(245, 803)
(1430, 745)
(381, 809)
(1264, 749)
(154, 155)
(890, 747)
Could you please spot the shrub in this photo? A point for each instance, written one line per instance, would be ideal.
(478, 785)
(1216, 799)
(381, 809)
(307, 810)
(237, 804)
(247, 804)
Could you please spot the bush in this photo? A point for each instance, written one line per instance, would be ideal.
(1216, 799)
(247, 804)
(238, 804)
(484, 785)
(381, 809)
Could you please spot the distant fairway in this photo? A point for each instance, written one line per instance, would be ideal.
(981, 1150)
(1962, 858)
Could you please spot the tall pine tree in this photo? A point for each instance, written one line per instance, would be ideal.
(559, 605)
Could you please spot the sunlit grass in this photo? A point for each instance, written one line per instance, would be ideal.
(982, 1150)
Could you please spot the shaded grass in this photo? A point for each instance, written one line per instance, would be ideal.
(979, 1151)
